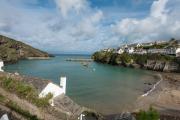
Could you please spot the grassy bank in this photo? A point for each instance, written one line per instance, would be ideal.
(24, 91)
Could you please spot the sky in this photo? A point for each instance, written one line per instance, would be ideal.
(85, 26)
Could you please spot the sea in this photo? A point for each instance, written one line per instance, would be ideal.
(105, 88)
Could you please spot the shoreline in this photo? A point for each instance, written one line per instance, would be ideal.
(154, 87)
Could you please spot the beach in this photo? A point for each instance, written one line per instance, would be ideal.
(165, 97)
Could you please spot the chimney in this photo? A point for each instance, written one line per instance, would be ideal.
(63, 84)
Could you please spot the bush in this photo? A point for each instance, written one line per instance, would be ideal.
(126, 58)
(151, 114)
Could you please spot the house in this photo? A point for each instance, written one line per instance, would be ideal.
(4, 117)
(140, 52)
(107, 50)
(1, 65)
(120, 51)
(178, 52)
(160, 42)
(54, 89)
(129, 50)
(147, 44)
(156, 51)
(139, 45)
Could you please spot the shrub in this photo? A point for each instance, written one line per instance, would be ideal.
(151, 114)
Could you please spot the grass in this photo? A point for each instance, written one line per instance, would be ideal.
(25, 91)
(13, 106)
(2, 98)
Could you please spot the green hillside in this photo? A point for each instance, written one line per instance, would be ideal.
(12, 50)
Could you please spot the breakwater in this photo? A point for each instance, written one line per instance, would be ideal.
(79, 60)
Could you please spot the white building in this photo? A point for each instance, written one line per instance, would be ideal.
(138, 45)
(4, 117)
(107, 50)
(178, 52)
(140, 52)
(129, 50)
(155, 51)
(54, 89)
(120, 51)
(1, 65)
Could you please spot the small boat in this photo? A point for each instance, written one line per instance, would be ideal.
(85, 64)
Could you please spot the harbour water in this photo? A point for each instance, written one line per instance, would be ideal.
(105, 88)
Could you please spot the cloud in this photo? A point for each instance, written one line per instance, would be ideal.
(68, 5)
(76, 26)
(160, 24)
(50, 30)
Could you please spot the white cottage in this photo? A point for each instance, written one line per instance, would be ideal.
(178, 52)
(54, 89)
(129, 50)
(120, 51)
(1, 65)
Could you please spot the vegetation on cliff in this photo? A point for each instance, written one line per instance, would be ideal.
(132, 59)
(11, 50)
(115, 58)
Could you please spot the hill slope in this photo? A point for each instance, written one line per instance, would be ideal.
(12, 50)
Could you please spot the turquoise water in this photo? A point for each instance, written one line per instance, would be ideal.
(107, 89)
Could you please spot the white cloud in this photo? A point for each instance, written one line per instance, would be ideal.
(51, 30)
(67, 5)
(77, 27)
(160, 24)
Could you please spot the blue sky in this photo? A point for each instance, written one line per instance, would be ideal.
(84, 26)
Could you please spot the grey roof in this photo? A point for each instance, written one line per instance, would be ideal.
(38, 83)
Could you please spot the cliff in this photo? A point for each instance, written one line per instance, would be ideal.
(156, 62)
(12, 50)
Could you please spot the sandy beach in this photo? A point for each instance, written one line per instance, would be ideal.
(165, 97)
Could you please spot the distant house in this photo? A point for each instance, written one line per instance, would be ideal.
(107, 50)
(178, 52)
(120, 51)
(139, 45)
(160, 42)
(1, 65)
(140, 52)
(156, 51)
(129, 50)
